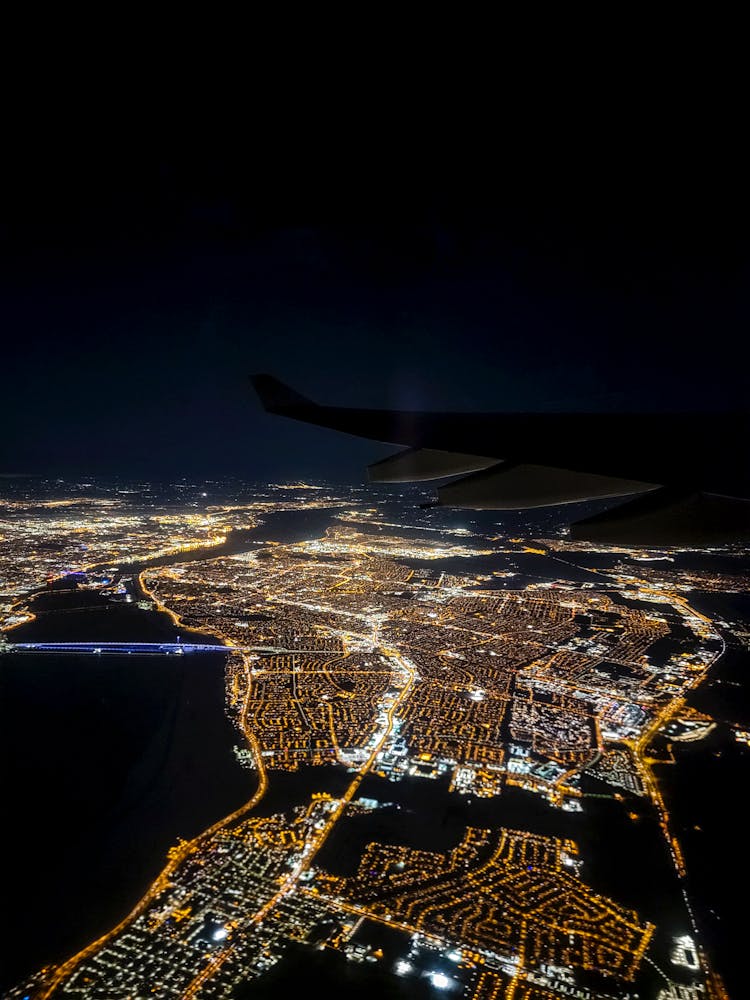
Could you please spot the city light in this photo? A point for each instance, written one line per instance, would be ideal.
(359, 660)
(439, 981)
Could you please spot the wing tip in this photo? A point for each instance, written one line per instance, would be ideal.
(276, 396)
(669, 517)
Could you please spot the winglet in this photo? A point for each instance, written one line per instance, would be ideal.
(277, 397)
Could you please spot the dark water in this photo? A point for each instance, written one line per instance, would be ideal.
(334, 977)
(106, 761)
(725, 695)
(730, 607)
(294, 525)
(713, 830)
(706, 793)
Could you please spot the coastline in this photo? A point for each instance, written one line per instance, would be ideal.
(150, 762)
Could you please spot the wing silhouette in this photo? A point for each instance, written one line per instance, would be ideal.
(689, 471)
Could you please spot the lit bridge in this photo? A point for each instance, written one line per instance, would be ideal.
(138, 648)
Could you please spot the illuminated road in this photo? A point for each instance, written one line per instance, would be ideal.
(315, 844)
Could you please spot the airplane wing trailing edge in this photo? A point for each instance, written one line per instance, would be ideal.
(688, 472)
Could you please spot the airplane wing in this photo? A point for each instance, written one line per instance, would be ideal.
(688, 471)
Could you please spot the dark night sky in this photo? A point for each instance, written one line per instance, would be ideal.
(140, 287)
